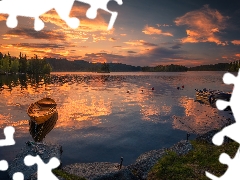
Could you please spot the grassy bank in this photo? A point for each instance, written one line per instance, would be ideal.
(203, 157)
(66, 175)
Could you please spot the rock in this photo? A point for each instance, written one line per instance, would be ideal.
(34, 177)
(45, 150)
(146, 161)
(207, 137)
(182, 147)
(99, 171)
(123, 174)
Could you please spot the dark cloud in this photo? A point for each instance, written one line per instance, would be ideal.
(112, 39)
(176, 46)
(41, 45)
(163, 52)
(59, 56)
(148, 44)
(140, 43)
(32, 34)
(131, 52)
(109, 57)
(156, 56)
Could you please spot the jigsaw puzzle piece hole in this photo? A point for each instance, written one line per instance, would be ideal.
(91, 13)
(54, 162)
(211, 176)
(8, 132)
(12, 21)
(73, 22)
(18, 176)
(38, 24)
(221, 104)
(112, 20)
(224, 158)
(28, 160)
(3, 165)
(218, 139)
(228, 78)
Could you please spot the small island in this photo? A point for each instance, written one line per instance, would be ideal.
(104, 68)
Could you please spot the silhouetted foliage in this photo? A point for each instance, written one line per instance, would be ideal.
(21, 65)
(62, 65)
(211, 67)
(167, 68)
(105, 68)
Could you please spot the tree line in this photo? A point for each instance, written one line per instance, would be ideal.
(14, 65)
(167, 68)
(231, 67)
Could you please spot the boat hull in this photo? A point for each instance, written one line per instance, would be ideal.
(42, 110)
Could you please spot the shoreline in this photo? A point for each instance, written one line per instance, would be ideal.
(105, 170)
(140, 168)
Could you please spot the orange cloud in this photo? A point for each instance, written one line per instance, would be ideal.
(112, 39)
(151, 30)
(86, 25)
(238, 55)
(140, 43)
(3, 17)
(123, 34)
(236, 42)
(203, 24)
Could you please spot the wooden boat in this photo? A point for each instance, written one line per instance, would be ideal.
(39, 131)
(42, 110)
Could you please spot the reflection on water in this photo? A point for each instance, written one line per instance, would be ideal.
(103, 117)
(199, 118)
(39, 131)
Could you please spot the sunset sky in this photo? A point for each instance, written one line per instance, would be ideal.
(151, 32)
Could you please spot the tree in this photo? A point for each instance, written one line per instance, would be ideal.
(1, 55)
(105, 67)
(22, 63)
(6, 64)
(47, 68)
(14, 66)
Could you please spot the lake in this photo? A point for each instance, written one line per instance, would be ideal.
(102, 117)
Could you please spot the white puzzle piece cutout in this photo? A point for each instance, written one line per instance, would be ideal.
(8, 141)
(232, 131)
(101, 4)
(36, 8)
(233, 172)
(3, 165)
(44, 170)
(18, 176)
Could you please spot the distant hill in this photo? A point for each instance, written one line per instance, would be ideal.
(61, 65)
(212, 67)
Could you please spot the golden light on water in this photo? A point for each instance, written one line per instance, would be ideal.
(86, 101)
(199, 118)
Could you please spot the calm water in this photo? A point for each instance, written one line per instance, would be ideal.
(100, 121)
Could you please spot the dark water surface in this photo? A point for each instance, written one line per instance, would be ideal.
(102, 117)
